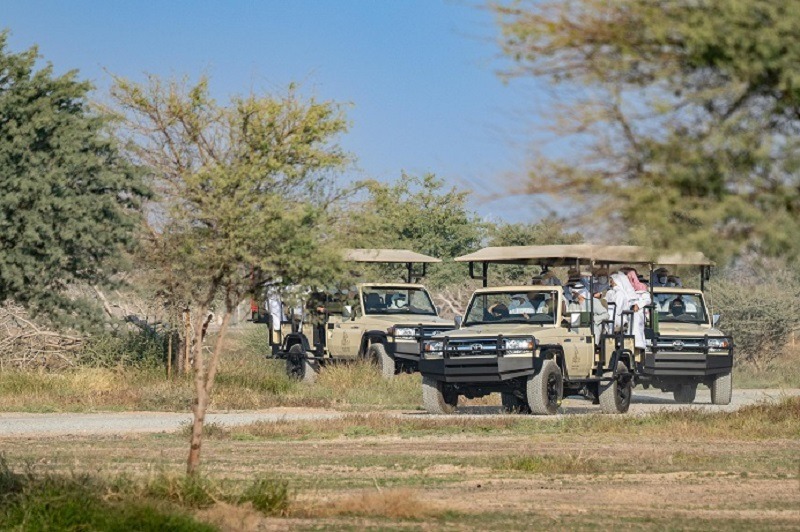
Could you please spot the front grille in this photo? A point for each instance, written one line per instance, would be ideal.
(688, 345)
(428, 331)
(472, 346)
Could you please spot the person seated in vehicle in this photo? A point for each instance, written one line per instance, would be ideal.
(497, 312)
(373, 302)
(398, 302)
(539, 302)
(520, 305)
(677, 307)
(674, 281)
(546, 278)
(660, 277)
(579, 301)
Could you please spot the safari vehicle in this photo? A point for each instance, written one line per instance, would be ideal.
(535, 358)
(685, 348)
(380, 322)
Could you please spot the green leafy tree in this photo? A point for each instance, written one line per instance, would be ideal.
(68, 200)
(421, 214)
(542, 233)
(244, 191)
(684, 114)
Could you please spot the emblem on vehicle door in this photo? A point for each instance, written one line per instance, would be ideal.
(677, 345)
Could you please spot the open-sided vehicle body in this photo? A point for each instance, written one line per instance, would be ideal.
(381, 322)
(562, 355)
(570, 353)
(685, 348)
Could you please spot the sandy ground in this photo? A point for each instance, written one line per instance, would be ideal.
(107, 423)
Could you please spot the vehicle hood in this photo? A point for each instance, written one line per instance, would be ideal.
(505, 329)
(687, 329)
(405, 319)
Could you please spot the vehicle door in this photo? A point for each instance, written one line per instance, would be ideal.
(344, 331)
(578, 342)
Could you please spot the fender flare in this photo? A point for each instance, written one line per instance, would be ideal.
(625, 356)
(371, 337)
(551, 351)
(294, 339)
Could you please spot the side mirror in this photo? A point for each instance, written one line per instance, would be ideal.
(347, 311)
(715, 319)
(458, 320)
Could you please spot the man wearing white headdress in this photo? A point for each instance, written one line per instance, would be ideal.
(639, 302)
(618, 297)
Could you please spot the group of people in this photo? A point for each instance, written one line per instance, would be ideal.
(620, 292)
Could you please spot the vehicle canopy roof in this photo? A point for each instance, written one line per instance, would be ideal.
(568, 254)
(400, 256)
(523, 288)
(397, 285)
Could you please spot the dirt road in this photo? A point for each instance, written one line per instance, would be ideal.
(107, 423)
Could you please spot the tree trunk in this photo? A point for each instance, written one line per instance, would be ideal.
(203, 384)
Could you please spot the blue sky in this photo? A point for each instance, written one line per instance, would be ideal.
(419, 76)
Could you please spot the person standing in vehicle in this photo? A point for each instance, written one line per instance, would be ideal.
(617, 297)
(639, 302)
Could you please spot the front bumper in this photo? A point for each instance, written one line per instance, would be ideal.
(677, 357)
(403, 350)
(477, 368)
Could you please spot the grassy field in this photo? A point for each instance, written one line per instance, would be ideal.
(679, 470)
(247, 381)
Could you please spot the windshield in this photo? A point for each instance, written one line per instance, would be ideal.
(513, 307)
(397, 300)
(680, 308)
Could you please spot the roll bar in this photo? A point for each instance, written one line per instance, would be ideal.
(393, 256)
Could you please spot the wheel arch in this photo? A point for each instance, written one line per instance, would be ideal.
(551, 352)
(371, 337)
(293, 339)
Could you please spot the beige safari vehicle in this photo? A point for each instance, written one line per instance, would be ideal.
(685, 347)
(521, 342)
(379, 322)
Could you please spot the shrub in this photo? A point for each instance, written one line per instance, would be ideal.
(760, 306)
(141, 348)
(30, 501)
(268, 495)
(194, 491)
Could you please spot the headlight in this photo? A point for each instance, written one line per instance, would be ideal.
(519, 345)
(718, 343)
(404, 333)
(433, 347)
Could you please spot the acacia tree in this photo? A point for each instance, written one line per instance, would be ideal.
(685, 115)
(68, 200)
(244, 190)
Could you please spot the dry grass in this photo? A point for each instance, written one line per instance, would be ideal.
(397, 503)
(246, 381)
(754, 422)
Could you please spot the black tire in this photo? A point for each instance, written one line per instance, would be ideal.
(298, 365)
(436, 398)
(685, 393)
(513, 404)
(545, 389)
(615, 395)
(377, 355)
(722, 389)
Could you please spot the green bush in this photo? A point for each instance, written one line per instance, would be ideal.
(29, 501)
(141, 349)
(194, 491)
(760, 308)
(268, 495)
